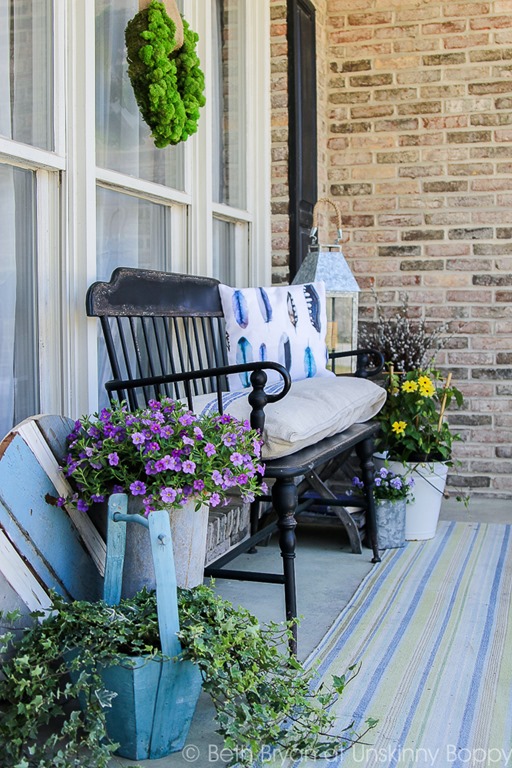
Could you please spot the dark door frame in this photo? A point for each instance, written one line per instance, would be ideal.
(302, 128)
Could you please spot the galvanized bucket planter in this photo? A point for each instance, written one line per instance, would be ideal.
(151, 714)
(390, 517)
(189, 528)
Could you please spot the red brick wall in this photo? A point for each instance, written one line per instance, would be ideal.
(279, 127)
(415, 145)
(420, 160)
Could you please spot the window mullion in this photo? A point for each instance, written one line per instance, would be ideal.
(48, 299)
(79, 266)
(199, 165)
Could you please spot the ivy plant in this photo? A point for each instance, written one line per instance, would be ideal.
(262, 696)
(168, 84)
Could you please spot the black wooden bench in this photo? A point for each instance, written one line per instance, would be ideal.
(164, 335)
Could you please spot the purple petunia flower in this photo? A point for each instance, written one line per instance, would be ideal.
(187, 419)
(210, 449)
(138, 438)
(198, 485)
(138, 488)
(237, 459)
(214, 500)
(168, 495)
(113, 459)
(82, 506)
(174, 463)
(188, 466)
(230, 439)
(217, 477)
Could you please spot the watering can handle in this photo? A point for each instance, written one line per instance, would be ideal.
(163, 560)
(314, 229)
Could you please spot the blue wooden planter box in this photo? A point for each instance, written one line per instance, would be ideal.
(151, 715)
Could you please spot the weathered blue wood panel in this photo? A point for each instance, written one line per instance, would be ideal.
(43, 533)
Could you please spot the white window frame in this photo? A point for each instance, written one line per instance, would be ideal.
(67, 181)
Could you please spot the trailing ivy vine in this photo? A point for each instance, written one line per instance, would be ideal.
(168, 84)
(262, 697)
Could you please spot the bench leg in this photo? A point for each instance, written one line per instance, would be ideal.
(364, 451)
(285, 500)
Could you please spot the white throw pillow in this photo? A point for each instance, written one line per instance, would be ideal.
(312, 409)
(286, 324)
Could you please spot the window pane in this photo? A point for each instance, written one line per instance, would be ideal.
(26, 72)
(123, 140)
(131, 233)
(230, 252)
(19, 363)
(229, 95)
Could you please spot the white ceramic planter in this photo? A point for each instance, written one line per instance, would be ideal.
(422, 514)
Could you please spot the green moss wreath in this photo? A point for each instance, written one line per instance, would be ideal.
(168, 84)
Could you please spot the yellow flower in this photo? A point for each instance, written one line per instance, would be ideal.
(427, 388)
(398, 427)
(409, 386)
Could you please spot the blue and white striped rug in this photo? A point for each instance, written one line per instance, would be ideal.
(431, 626)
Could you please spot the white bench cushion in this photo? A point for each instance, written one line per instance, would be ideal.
(313, 409)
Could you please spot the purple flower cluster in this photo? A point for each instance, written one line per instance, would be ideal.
(164, 454)
(388, 485)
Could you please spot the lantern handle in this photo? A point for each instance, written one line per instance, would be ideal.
(314, 229)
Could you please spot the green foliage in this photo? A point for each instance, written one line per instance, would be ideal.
(168, 84)
(412, 421)
(261, 695)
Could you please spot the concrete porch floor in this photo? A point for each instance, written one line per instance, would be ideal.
(327, 576)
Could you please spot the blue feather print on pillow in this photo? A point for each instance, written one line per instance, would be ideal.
(240, 309)
(285, 352)
(263, 352)
(244, 355)
(309, 363)
(292, 311)
(313, 305)
(264, 304)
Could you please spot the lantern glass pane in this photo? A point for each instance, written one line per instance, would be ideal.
(342, 328)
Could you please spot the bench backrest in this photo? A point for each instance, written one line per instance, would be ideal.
(159, 323)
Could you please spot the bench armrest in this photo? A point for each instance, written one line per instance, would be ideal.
(154, 386)
(370, 362)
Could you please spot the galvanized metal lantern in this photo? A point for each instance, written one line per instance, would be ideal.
(327, 263)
